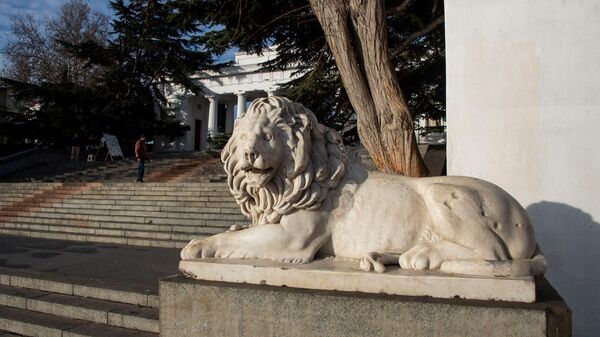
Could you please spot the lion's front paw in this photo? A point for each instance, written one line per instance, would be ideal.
(197, 248)
(372, 261)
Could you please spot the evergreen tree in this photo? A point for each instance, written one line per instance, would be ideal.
(148, 49)
(387, 74)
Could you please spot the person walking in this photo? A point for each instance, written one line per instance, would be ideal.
(141, 154)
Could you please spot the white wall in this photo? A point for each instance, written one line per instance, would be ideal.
(523, 92)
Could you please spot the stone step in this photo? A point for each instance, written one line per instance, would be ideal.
(126, 203)
(116, 199)
(124, 216)
(30, 323)
(11, 199)
(17, 193)
(216, 190)
(207, 191)
(131, 241)
(27, 185)
(157, 223)
(22, 191)
(202, 181)
(225, 198)
(48, 282)
(65, 206)
(110, 193)
(100, 204)
(132, 217)
(98, 311)
(205, 180)
(123, 233)
(142, 187)
(45, 223)
(103, 221)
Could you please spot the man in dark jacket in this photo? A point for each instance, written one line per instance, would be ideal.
(141, 154)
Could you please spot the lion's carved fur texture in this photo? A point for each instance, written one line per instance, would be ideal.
(290, 175)
(302, 181)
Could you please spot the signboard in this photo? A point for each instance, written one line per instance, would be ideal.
(113, 145)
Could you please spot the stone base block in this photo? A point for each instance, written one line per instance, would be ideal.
(192, 308)
(333, 274)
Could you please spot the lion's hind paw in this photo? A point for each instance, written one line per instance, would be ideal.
(295, 260)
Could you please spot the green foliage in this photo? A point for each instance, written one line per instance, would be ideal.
(159, 41)
(125, 97)
(420, 65)
(416, 41)
(218, 141)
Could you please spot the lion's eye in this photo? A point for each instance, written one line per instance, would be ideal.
(268, 136)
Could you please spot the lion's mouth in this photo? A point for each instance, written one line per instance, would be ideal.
(256, 177)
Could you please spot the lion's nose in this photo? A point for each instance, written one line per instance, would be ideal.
(250, 155)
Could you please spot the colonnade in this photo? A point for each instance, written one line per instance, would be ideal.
(213, 104)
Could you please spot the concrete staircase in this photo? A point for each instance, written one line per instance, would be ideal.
(183, 198)
(151, 214)
(162, 168)
(38, 304)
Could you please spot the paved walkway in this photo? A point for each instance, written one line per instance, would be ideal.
(127, 266)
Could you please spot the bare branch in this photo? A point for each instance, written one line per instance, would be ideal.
(428, 29)
(282, 16)
(398, 7)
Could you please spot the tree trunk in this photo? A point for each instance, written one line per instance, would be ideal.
(356, 33)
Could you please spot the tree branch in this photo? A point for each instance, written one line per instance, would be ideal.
(398, 7)
(428, 29)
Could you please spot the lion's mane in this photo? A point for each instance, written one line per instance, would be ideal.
(314, 163)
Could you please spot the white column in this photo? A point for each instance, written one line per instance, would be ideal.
(212, 114)
(229, 118)
(422, 124)
(241, 104)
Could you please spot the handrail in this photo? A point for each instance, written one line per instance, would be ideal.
(26, 159)
(18, 155)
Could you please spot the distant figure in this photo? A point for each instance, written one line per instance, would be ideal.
(75, 148)
(141, 154)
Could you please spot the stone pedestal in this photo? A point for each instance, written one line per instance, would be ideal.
(346, 275)
(192, 308)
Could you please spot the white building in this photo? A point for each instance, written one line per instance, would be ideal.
(523, 91)
(222, 98)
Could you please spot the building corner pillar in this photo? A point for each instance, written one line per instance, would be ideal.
(241, 104)
(212, 114)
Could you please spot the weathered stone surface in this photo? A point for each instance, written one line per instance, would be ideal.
(29, 323)
(110, 294)
(191, 308)
(330, 274)
(307, 197)
(133, 320)
(41, 284)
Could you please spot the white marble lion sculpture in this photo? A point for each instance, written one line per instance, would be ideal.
(290, 175)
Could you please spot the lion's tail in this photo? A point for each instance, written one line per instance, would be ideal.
(534, 266)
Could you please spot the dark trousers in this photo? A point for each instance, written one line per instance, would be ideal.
(140, 172)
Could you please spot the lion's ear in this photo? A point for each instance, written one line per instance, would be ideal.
(301, 145)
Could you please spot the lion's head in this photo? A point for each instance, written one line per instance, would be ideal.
(279, 159)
